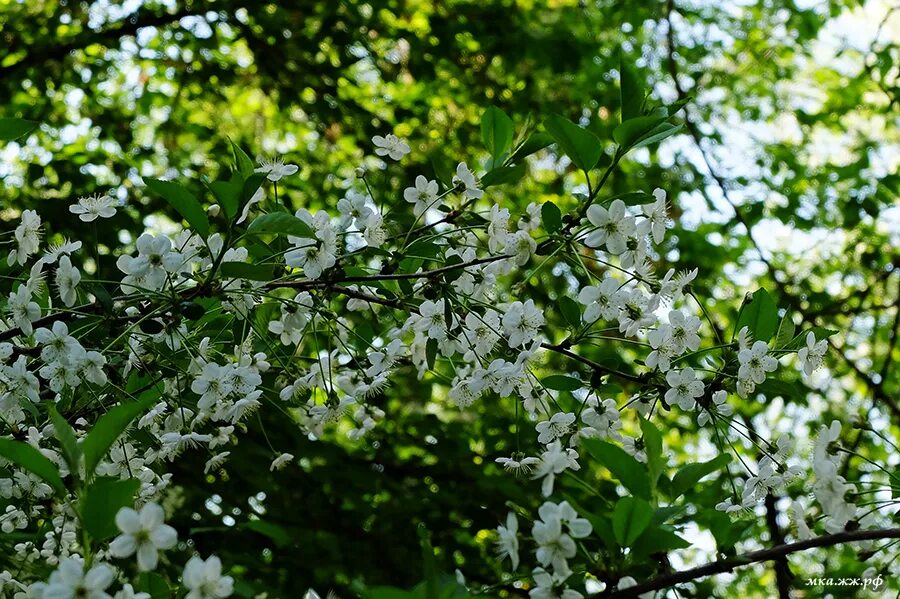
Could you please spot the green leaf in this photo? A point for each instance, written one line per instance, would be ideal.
(496, 131)
(241, 160)
(275, 532)
(66, 435)
(551, 217)
(630, 518)
(659, 133)
(503, 175)
(227, 194)
(631, 91)
(631, 473)
(155, 585)
(280, 223)
(653, 448)
(102, 501)
(250, 272)
(535, 143)
(691, 474)
(107, 429)
(580, 145)
(431, 349)
(183, 201)
(759, 314)
(786, 330)
(657, 539)
(570, 310)
(633, 130)
(11, 128)
(561, 382)
(28, 458)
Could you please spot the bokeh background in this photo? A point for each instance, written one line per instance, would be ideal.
(784, 177)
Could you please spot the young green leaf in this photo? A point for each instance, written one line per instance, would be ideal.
(786, 330)
(691, 474)
(11, 128)
(66, 436)
(799, 340)
(551, 217)
(241, 160)
(570, 310)
(243, 270)
(496, 131)
(535, 143)
(102, 501)
(503, 175)
(630, 517)
(108, 428)
(431, 349)
(561, 382)
(631, 91)
(759, 314)
(633, 130)
(280, 223)
(631, 473)
(580, 145)
(28, 458)
(183, 201)
(659, 133)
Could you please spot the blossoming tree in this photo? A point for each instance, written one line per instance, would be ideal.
(251, 307)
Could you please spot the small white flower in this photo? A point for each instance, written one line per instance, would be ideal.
(144, 533)
(508, 543)
(683, 388)
(812, 355)
(469, 182)
(613, 227)
(391, 146)
(281, 461)
(422, 196)
(275, 168)
(90, 208)
(67, 279)
(204, 579)
(70, 581)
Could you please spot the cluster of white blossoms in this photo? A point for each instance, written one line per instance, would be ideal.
(452, 285)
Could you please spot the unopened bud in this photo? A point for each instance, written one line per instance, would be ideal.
(360, 171)
(213, 211)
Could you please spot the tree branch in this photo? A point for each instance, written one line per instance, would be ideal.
(763, 555)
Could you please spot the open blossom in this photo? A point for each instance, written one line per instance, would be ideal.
(470, 184)
(613, 227)
(508, 542)
(144, 533)
(313, 255)
(559, 425)
(204, 579)
(28, 238)
(275, 168)
(684, 388)
(152, 266)
(755, 363)
(67, 279)
(423, 195)
(391, 146)
(70, 581)
(656, 215)
(521, 323)
(555, 460)
(90, 208)
(812, 355)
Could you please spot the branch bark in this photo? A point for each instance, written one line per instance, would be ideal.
(763, 555)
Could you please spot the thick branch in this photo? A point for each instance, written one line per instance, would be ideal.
(763, 555)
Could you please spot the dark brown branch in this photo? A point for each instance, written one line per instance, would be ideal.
(763, 555)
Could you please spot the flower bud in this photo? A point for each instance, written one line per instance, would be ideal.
(213, 211)
(360, 171)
